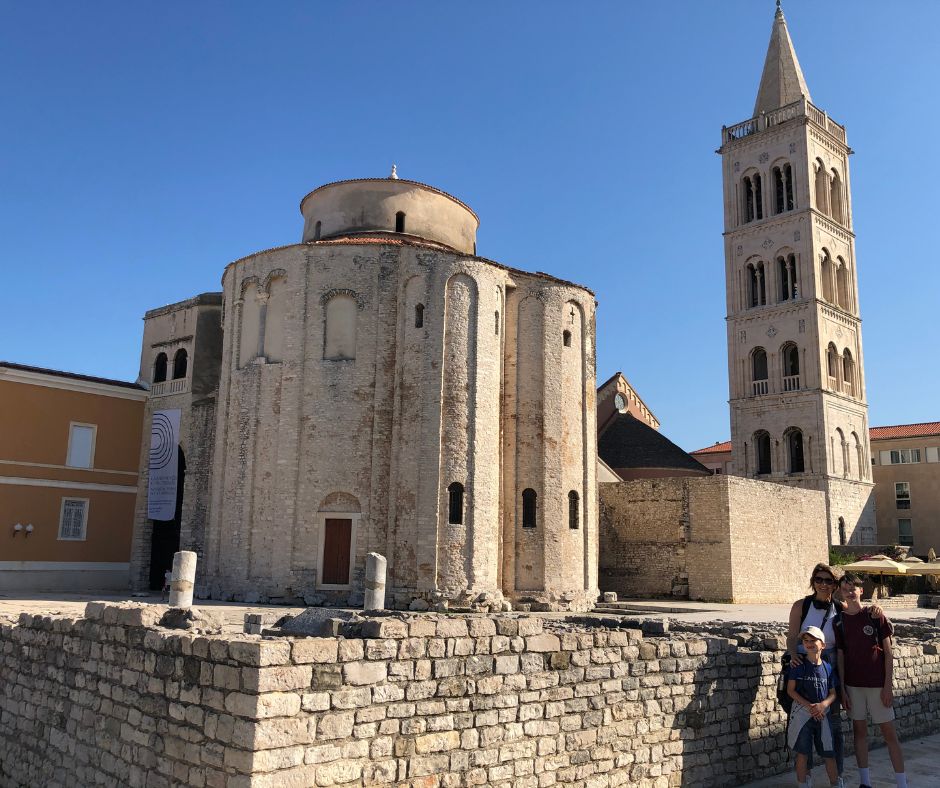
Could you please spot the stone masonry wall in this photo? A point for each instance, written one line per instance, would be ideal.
(718, 538)
(412, 700)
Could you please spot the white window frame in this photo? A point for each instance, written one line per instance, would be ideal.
(911, 524)
(905, 456)
(899, 495)
(322, 517)
(94, 441)
(87, 506)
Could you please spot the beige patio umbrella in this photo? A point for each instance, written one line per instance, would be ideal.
(877, 565)
(931, 568)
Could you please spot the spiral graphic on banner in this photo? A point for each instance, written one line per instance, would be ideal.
(161, 441)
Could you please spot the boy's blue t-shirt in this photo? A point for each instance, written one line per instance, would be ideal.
(814, 682)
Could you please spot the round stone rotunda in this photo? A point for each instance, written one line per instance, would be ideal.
(384, 389)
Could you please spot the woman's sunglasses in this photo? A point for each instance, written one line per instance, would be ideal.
(827, 581)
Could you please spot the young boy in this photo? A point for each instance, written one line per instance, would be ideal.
(866, 665)
(812, 686)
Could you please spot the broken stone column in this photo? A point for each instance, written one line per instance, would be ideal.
(375, 582)
(183, 579)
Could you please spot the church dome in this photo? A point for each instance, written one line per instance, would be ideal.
(389, 205)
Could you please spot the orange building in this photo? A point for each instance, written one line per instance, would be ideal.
(69, 450)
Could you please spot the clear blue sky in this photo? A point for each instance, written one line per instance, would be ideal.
(145, 145)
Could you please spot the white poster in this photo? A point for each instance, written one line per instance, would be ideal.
(164, 438)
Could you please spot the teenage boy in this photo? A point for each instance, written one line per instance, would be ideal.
(866, 665)
(812, 686)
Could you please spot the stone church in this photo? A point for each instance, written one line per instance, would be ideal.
(378, 387)
(796, 376)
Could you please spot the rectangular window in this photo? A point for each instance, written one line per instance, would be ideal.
(905, 456)
(81, 451)
(933, 454)
(73, 519)
(905, 532)
(902, 495)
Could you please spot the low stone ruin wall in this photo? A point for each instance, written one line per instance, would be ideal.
(418, 700)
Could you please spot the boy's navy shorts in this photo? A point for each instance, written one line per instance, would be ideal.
(810, 735)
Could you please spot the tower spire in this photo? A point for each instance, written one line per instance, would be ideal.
(782, 82)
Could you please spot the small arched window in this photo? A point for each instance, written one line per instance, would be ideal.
(791, 367)
(316, 231)
(419, 315)
(848, 373)
(795, 450)
(574, 510)
(787, 275)
(529, 507)
(159, 368)
(762, 447)
(759, 381)
(788, 186)
(842, 284)
(757, 293)
(832, 363)
(496, 321)
(822, 187)
(826, 275)
(835, 196)
(566, 338)
(179, 364)
(455, 504)
(400, 222)
(842, 531)
(753, 208)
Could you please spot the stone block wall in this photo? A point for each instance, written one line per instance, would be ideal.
(718, 538)
(407, 700)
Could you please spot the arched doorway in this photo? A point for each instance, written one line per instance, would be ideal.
(165, 535)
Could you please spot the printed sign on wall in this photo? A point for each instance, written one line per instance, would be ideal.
(164, 470)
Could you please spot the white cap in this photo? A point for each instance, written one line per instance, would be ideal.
(815, 632)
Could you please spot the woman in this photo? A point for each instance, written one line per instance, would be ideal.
(819, 609)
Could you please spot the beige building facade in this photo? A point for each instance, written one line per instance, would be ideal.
(796, 375)
(381, 388)
(68, 478)
(906, 468)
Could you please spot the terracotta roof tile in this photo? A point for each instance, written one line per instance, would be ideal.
(905, 431)
(718, 448)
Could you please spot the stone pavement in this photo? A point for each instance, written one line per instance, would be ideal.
(12, 604)
(921, 763)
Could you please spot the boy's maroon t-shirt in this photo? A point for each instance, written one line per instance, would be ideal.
(864, 656)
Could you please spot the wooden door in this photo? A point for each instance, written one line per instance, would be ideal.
(336, 547)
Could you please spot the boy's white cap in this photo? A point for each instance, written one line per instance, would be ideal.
(815, 632)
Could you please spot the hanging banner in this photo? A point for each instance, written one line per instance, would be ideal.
(164, 470)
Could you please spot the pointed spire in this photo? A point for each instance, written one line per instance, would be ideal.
(782, 82)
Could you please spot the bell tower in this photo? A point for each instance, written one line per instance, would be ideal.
(796, 377)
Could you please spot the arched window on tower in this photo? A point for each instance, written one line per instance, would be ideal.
(833, 366)
(791, 367)
(839, 464)
(848, 373)
(179, 364)
(835, 196)
(762, 451)
(566, 338)
(794, 438)
(786, 269)
(316, 231)
(529, 508)
(860, 458)
(783, 188)
(822, 187)
(842, 531)
(758, 196)
(842, 285)
(159, 368)
(419, 315)
(756, 288)
(826, 270)
(759, 382)
(455, 504)
(747, 189)
(400, 222)
(574, 510)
